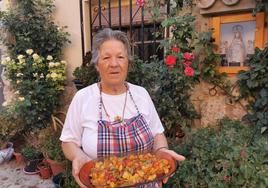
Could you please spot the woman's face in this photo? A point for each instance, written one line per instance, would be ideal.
(112, 63)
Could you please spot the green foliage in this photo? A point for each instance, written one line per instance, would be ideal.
(254, 87)
(37, 74)
(38, 82)
(31, 153)
(86, 73)
(222, 158)
(29, 25)
(68, 179)
(261, 6)
(10, 126)
(52, 148)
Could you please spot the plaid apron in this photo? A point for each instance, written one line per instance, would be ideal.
(115, 138)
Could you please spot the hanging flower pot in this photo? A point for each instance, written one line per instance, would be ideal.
(45, 171)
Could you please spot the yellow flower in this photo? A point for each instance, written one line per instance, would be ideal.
(20, 57)
(8, 59)
(29, 51)
(54, 75)
(35, 56)
(57, 64)
(49, 57)
(21, 98)
(51, 64)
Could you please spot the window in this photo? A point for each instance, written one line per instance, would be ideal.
(150, 44)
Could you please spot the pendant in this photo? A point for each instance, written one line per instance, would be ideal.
(117, 118)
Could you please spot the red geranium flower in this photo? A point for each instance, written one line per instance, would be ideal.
(176, 50)
(188, 56)
(140, 2)
(189, 71)
(187, 63)
(170, 60)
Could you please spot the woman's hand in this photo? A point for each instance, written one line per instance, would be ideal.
(174, 155)
(77, 164)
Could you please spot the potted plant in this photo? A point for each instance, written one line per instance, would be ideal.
(54, 154)
(9, 128)
(44, 169)
(33, 157)
(86, 74)
(6, 151)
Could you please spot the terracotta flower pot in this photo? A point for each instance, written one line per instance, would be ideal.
(56, 167)
(45, 171)
(18, 157)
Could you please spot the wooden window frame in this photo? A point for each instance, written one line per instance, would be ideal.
(242, 17)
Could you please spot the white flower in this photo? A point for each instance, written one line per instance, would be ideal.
(4, 62)
(29, 51)
(21, 98)
(8, 59)
(49, 57)
(54, 75)
(17, 92)
(18, 81)
(35, 56)
(19, 74)
(42, 75)
(57, 64)
(4, 103)
(35, 74)
(20, 57)
(51, 64)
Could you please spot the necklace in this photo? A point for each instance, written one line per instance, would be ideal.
(116, 118)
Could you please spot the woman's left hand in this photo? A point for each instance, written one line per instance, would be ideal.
(173, 154)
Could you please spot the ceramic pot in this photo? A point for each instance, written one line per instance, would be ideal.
(18, 157)
(45, 171)
(7, 153)
(56, 167)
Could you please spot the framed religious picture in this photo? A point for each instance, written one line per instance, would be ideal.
(236, 37)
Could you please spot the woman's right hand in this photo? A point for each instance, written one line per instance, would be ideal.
(77, 164)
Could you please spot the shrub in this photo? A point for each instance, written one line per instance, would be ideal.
(226, 157)
(10, 126)
(52, 147)
(38, 82)
(86, 74)
(31, 153)
(29, 25)
(34, 67)
(253, 87)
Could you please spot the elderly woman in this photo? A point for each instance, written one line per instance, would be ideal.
(112, 116)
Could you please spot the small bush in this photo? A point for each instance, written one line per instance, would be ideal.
(227, 157)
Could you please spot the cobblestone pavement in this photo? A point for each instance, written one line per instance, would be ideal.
(12, 176)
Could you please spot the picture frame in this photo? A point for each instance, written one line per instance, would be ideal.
(252, 32)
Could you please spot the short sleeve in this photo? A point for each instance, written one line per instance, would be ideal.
(72, 129)
(154, 120)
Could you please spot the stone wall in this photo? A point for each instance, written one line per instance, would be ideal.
(213, 104)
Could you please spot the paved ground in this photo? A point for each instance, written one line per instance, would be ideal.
(12, 176)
